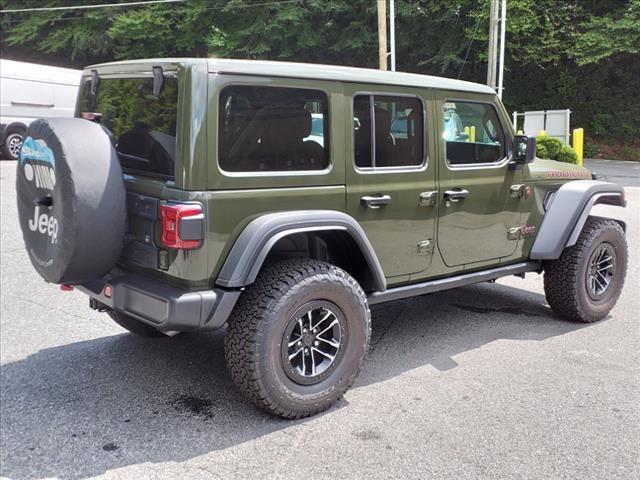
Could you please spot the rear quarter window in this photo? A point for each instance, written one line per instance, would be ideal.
(272, 129)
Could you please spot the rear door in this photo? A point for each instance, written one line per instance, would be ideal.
(390, 182)
(475, 180)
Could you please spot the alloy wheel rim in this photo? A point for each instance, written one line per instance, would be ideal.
(601, 270)
(15, 142)
(313, 342)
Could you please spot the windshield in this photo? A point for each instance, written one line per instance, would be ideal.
(142, 125)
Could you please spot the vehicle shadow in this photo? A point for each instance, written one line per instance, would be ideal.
(98, 405)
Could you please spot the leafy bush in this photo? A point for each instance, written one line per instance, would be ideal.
(541, 151)
(552, 145)
(628, 152)
(567, 155)
(590, 149)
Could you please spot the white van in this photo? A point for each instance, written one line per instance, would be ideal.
(29, 91)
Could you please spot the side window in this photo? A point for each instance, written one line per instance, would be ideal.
(272, 129)
(388, 131)
(472, 133)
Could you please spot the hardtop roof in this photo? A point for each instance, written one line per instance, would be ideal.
(308, 71)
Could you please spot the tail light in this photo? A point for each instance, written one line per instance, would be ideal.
(182, 225)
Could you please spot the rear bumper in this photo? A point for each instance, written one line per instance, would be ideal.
(163, 306)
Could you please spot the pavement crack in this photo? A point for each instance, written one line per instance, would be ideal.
(47, 307)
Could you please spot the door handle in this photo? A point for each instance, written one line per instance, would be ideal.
(375, 201)
(456, 195)
(427, 199)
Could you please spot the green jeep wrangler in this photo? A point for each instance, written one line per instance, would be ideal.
(284, 199)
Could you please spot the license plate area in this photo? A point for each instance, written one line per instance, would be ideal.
(140, 247)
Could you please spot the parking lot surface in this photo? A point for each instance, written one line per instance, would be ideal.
(479, 382)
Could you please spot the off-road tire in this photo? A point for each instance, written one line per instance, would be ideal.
(257, 326)
(565, 279)
(134, 326)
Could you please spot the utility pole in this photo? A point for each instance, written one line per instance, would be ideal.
(392, 33)
(382, 33)
(503, 31)
(493, 44)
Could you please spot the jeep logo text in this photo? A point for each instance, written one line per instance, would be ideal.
(45, 224)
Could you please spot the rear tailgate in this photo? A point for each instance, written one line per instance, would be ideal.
(140, 105)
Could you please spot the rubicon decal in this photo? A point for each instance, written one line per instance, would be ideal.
(568, 174)
(38, 163)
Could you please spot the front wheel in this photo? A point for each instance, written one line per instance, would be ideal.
(585, 282)
(297, 337)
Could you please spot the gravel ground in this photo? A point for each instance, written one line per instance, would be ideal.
(479, 382)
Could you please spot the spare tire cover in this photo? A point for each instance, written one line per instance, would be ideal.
(71, 200)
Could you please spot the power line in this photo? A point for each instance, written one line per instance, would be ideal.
(84, 7)
(221, 7)
(473, 36)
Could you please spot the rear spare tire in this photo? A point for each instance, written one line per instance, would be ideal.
(71, 200)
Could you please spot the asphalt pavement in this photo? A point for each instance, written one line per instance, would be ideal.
(479, 382)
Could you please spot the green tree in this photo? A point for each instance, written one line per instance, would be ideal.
(583, 55)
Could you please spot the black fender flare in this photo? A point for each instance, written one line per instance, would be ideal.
(567, 213)
(252, 246)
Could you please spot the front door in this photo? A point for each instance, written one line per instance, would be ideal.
(475, 181)
(390, 183)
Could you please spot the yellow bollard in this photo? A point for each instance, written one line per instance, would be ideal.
(578, 144)
(466, 132)
(472, 134)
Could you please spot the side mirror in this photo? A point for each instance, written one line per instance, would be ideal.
(524, 150)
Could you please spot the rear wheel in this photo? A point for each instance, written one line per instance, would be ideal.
(135, 326)
(585, 282)
(297, 337)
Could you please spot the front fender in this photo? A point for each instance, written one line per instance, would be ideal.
(256, 240)
(568, 212)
